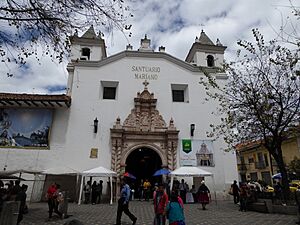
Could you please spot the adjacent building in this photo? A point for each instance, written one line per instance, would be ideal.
(255, 163)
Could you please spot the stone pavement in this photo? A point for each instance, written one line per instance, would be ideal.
(224, 212)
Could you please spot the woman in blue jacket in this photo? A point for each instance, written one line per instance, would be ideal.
(174, 211)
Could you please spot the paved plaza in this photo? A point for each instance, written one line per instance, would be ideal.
(224, 212)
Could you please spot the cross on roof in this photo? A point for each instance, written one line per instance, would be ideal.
(202, 26)
(146, 83)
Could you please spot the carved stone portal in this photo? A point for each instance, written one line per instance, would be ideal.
(143, 127)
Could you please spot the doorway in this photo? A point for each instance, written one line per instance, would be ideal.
(142, 163)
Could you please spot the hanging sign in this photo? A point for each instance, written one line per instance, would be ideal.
(186, 145)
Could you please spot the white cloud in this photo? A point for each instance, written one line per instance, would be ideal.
(173, 24)
(34, 77)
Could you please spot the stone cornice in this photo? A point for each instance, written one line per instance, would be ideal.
(137, 54)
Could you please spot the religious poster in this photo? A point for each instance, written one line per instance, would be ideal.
(25, 127)
(196, 153)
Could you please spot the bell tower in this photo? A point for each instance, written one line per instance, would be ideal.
(205, 53)
(88, 47)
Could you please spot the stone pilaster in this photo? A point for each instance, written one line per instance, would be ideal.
(114, 156)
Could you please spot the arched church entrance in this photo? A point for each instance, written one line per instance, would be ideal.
(142, 163)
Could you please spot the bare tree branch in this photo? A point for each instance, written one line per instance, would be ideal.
(29, 23)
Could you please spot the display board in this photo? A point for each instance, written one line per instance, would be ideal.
(25, 127)
(196, 153)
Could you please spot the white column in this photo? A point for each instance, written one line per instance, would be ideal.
(81, 189)
(111, 190)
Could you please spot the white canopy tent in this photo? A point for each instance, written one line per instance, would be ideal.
(60, 170)
(97, 172)
(10, 172)
(19, 174)
(190, 171)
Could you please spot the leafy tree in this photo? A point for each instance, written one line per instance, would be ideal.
(294, 168)
(261, 100)
(25, 24)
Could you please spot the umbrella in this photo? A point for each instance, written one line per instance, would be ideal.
(129, 175)
(160, 172)
(277, 176)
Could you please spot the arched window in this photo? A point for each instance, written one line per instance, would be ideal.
(210, 61)
(85, 54)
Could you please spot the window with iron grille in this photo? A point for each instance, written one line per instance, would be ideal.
(109, 93)
(109, 90)
(179, 92)
(178, 95)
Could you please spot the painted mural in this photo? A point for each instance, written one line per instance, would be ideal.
(21, 128)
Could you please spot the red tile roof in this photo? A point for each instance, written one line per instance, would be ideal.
(35, 100)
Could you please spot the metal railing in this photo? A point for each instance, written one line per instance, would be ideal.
(260, 165)
(242, 168)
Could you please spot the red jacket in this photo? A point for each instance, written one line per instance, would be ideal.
(159, 207)
(51, 191)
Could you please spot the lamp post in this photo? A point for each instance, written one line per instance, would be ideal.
(95, 125)
(192, 129)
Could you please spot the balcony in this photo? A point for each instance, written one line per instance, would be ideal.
(274, 163)
(242, 168)
(260, 165)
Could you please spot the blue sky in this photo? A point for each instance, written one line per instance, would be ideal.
(171, 23)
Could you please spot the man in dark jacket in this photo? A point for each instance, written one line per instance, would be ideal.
(297, 198)
(15, 190)
(2, 194)
(235, 192)
(99, 191)
(21, 196)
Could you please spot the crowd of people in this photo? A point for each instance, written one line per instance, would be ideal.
(188, 195)
(168, 204)
(244, 193)
(248, 192)
(14, 191)
(93, 192)
(202, 195)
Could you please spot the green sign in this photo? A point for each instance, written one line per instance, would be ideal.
(186, 145)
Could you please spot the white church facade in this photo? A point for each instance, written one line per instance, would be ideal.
(136, 111)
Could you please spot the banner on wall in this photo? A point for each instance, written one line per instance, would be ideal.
(186, 145)
(196, 153)
(24, 127)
